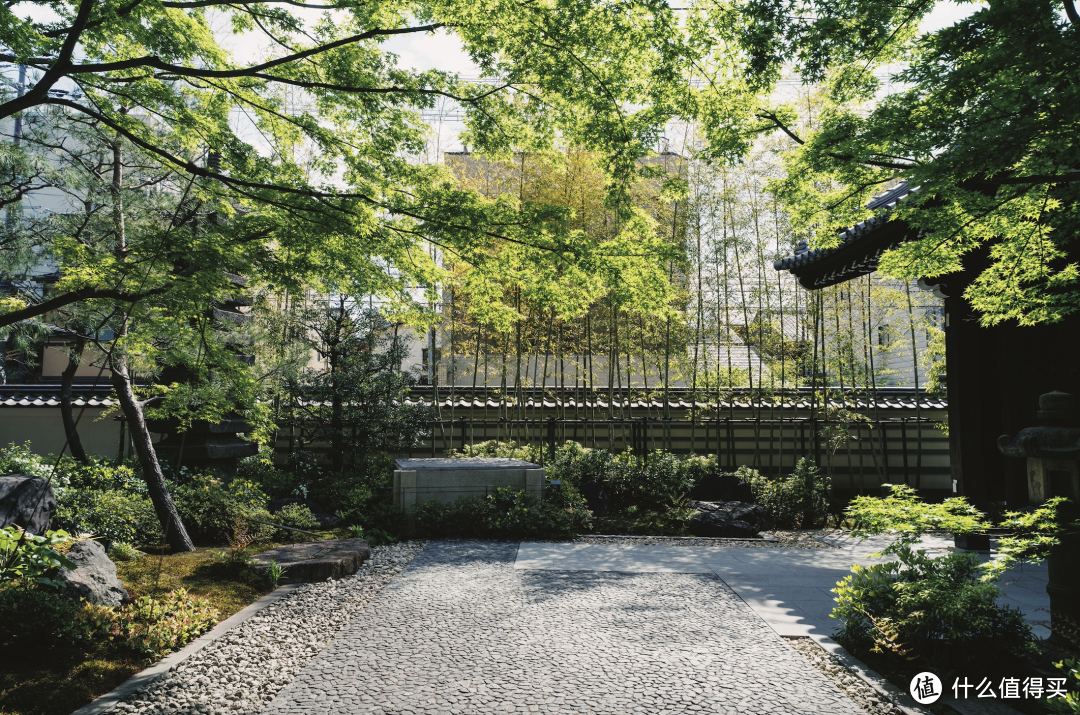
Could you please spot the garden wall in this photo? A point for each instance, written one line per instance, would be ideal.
(894, 441)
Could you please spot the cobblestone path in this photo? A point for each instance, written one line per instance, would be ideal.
(462, 631)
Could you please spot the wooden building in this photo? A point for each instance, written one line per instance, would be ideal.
(994, 375)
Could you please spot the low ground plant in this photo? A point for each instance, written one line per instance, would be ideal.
(125, 552)
(31, 559)
(35, 617)
(150, 627)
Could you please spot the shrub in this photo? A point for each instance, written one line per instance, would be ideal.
(789, 500)
(566, 497)
(298, 516)
(111, 515)
(697, 466)
(905, 513)
(101, 475)
(35, 617)
(934, 611)
(575, 465)
(505, 514)
(661, 482)
(210, 510)
(151, 627)
(495, 448)
(20, 459)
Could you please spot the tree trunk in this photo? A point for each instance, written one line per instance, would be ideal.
(175, 533)
(70, 429)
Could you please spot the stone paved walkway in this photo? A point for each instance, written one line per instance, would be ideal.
(462, 631)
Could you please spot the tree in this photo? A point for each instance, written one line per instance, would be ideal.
(316, 189)
(355, 401)
(985, 125)
(320, 167)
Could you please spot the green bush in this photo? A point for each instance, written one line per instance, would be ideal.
(696, 466)
(111, 515)
(905, 513)
(35, 617)
(936, 612)
(211, 511)
(276, 483)
(505, 514)
(20, 459)
(495, 448)
(101, 475)
(575, 465)
(789, 500)
(298, 516)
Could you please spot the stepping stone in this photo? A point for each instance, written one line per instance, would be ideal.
(315, 561)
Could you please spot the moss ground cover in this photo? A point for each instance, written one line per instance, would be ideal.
(57, 681)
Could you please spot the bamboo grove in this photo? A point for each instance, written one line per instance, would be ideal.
(723, 328)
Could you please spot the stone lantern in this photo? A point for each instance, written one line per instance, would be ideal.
(1052, 449)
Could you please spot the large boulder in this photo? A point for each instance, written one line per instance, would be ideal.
(28, 502)
(315, 560)
(94, 577)
(596, 499)
(323, 515)
(722, 488)
(733, 519)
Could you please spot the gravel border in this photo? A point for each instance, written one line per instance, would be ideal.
(866, 687)
(144, 678)
(771, 540)
(242, 669)
(864, 696)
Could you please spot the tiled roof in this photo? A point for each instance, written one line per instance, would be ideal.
(887, 399)
(885, 202)
(49, 396)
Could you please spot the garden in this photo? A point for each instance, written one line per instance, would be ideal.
(758, 274)
(911, 614)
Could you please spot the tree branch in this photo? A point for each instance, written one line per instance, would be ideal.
(59, 68)
(126, 10)
(1070, 10)
(76, 296)
(781, 126)
(182, 71)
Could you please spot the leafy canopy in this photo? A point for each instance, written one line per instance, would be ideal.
(984, 124)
